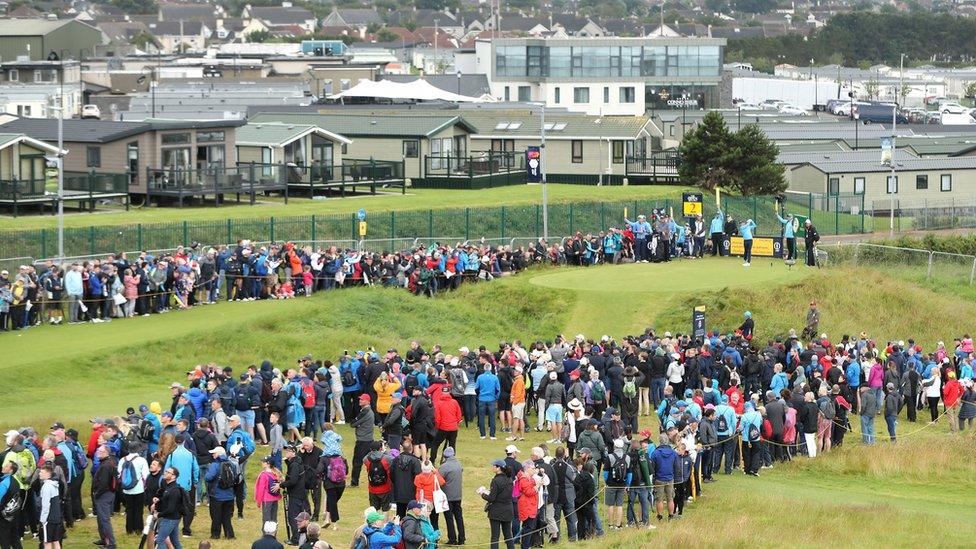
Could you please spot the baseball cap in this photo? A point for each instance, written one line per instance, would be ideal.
(372, 517)
(218, 450)
(57, 425)
(449, 452)
(11, 433)
(414, 504)
(512, 449)
(498, 463)
(613, 411)
(234, 417)
(303, 516)
(364, 398)
(175, 385)
(143, 408)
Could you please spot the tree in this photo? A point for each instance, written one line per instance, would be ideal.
(258, 36)
(743, 162)
(135, 6)
(971, 90)
(703, 152)
(755, 6)
(386, 35)
(751, 161)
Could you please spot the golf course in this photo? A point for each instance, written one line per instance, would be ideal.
(917, 491)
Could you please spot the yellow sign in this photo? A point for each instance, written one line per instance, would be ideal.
(362, 228)
(761, 247)
(691, 204)
(51, 179)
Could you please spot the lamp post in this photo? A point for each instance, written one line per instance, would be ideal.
(59, 163)
(152, 85)
(542, 167)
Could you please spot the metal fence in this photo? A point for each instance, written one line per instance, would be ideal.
(908, 263)
(897, 214)
(466, 223)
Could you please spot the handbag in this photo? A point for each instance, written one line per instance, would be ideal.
(119, 299)
(441, 505)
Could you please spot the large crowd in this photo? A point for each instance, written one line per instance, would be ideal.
(722, 403)
(117, 286)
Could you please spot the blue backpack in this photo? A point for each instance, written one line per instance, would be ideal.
(127, 476)
(78, 455)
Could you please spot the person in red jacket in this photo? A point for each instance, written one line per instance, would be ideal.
(951, 393)
(527, 485)
(95, 438)
(447, 417)
(377, 465)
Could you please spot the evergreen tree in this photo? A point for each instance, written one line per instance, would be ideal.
(703, 151)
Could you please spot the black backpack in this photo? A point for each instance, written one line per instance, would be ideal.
(753, 433)
(410, 381)
(348, 378)
(227, 475)
(243, 401)
(376, 473)
(618, 469)
(146, 430)
(722, 425)
(11, 507)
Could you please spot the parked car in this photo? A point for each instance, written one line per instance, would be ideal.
(91, 111)
(948, 118)
(790, 110)
(951, 107)
(878, 114)
(771, 104)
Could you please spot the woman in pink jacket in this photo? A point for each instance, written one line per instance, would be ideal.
(876, 382)
(131, 291)
(267, 493)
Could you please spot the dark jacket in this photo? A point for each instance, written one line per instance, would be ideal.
(363, 424)
(170, 504)
(310, 461)
(105, 477)
(776, 412)
(295, 478)
(267, 542)
(405, 467)
(499, 498)
(810, 414)
(413, 535)
(393, 424)
(204, 441)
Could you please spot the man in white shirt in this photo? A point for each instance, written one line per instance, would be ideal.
(133, 472)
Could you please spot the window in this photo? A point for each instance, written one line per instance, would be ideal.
(344, 84)
(267, 159)
(175, 138)
(833, 186)
(13, 75)
(503, 144)
(132, 158)
(94, 157)
(921, 182)
(606, 94)
(556, 95)
(892, 185)
(671, 130)
(577, 151)
(411, 148)
(581, 95)
(945, 182)
(41, 75)
(627, 94)
(524, 93)
(507, 94)
(858, 185)
(23, 110)
(618, 152)
(210, 137)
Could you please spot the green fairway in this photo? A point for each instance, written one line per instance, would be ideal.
(854, 496)
(673, 277)
(415, 199)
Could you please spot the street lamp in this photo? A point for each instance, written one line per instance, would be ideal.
(459, 82)
(152, 85)
(59, 163)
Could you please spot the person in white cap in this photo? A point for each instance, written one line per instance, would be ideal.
(268, 540)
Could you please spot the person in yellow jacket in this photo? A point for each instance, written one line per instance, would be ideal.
(385, 386)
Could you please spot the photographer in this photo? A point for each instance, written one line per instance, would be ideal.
(810, 241)
(787, 223)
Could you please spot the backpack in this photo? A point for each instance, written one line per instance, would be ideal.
(337, 470)
(11, 509)
(146, 430)
(828, 410)
(243, 401)
(247, 443)
(376, 473)
(127, 476)
(348, 378)
(410, 381)
(459, 382)
(308, 393)
(753, 433)
(722, 425)
(598, 393)
(226, 475)
(618, 469)
(630, 388)
(227, 398)
(81, 460)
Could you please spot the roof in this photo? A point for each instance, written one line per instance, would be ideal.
(176, 28)
(371, 124)
(359, 16)
(901, 164)
(811, 157)
(30, 27)
(278, 134)
(8, 139)
(524, 123)
(177, 11)
(277, 15)
(471, 85)
(103, 131)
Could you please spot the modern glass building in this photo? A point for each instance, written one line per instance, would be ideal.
(608, 75)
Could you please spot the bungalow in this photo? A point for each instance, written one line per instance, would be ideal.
(149, 153)
(284, 16)
(579, 148)
(23, 176)
(180, 36)
(406, 138)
